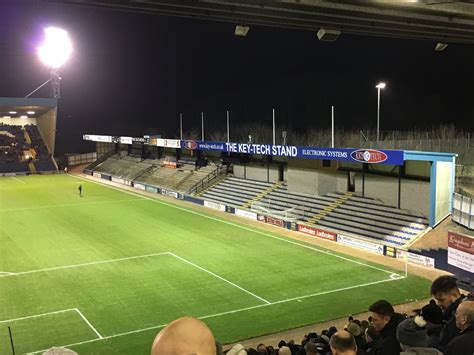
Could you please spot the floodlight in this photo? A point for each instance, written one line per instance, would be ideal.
(328, 35)
(6, 116)
(30, 112)
(241, 30)
(440, 46)
(56, 48)
(380, 86)
(12, 112)
(23, 116)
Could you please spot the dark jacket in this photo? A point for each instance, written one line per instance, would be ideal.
(433, 331)
(462, 344)
(387, 343)
(449, 330)
(421, 351)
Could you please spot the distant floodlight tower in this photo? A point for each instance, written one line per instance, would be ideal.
(54, 52)
(379, 87)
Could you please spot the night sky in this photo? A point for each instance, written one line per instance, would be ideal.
(132, 74)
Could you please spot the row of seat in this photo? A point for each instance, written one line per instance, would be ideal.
(358, 215)
(153, 173)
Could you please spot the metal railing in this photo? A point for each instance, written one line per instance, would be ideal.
(100, 160)
(208, 179)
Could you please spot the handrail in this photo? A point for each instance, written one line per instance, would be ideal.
(100, 160)
(205, 181)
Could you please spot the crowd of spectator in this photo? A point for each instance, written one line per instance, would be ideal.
(444, 326)
(16, 152)
(12, 143)
(37, 143)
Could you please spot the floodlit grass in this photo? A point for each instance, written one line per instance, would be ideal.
(105, 271)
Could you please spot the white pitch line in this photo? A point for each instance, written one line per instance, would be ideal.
(68, 205)
(220, 278)
(37, 315)
(237, 225)
(89, 323)
(13, 177)
(81, 265)
(227, 312)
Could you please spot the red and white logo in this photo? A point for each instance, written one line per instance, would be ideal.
(369, 156)
(190, 144)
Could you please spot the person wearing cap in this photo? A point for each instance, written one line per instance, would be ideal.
(411, 333)
(464, 343)
(356, 332)
(433, 315)
(446, 292)
(385, 321)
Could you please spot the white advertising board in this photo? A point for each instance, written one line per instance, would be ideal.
(216, 206)
(360, 244)
(246, 214)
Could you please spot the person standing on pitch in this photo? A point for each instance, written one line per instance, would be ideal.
(80, 190)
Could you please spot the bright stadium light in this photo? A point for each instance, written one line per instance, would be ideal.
(54, 52)
(379, 87)
(56, 48)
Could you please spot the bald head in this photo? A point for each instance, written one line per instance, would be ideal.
(184, 336)
(465, 315)
(343, 343)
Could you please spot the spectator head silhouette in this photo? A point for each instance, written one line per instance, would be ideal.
(343, 343)
(465, 315)
(412, 333)
(184, 335)
(445, 290)
(382, 312)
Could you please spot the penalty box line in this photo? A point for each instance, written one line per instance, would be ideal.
(233, 311)
(11, 274)
(81, 315)
(313, 248)
(6, 274)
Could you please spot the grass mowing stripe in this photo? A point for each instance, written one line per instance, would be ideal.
(229, 312)
(220, 277)
(68, 205)
(237, 225)
(81, 265)
(88, 323)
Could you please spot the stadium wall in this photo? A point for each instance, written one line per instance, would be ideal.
(257, 171)
(310, 177)
(47, 126)
(415, 194)
(443, 195)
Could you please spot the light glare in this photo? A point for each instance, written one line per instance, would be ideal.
(380, 86)
(12, 112)
(23, 116)
(56, 47)
(30, 112)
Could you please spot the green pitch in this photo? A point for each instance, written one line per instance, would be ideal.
(104, 272)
